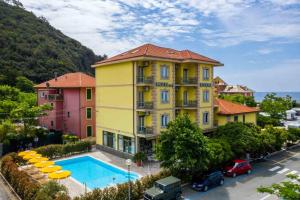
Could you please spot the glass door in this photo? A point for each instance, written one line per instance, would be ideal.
(185, 98)
(185, 75)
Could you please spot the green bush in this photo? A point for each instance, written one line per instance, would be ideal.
(19, 180)
(52, 191)
(293, 134)
(120, 192)
(61, 150)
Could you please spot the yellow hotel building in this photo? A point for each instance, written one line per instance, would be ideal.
(139, 91)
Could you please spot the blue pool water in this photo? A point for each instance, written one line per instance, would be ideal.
(94, 173)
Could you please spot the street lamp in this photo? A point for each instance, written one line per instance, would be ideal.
(128, 163)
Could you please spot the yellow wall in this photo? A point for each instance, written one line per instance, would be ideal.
(249, 118)
(114, 99)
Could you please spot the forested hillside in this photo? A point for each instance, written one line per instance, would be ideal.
(31, 47)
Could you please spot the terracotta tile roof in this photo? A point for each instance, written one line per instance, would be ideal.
(150, 50)
(230, 108)
(70, 80)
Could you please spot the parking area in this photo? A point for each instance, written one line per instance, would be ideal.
(244, 186)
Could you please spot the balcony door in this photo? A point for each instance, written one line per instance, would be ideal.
(141, 99)
(185, 98)
(141, 123)
(140, 74)
(185, 75)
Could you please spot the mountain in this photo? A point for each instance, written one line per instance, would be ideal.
(31, 47)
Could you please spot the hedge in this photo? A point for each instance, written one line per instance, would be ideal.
(19, 180)
(62, 150)
(120, 191)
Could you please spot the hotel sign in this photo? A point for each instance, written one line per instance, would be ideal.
(163, 84)
(205, 84)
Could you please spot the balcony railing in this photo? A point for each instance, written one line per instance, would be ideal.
(187, 104)
(144, 105)
(144, 79)
(187, 81)
(55, 97)
(145, 130)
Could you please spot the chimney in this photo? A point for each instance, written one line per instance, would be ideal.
(55, 75)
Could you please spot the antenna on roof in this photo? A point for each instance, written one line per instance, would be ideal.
(47, 84)
(55, 75)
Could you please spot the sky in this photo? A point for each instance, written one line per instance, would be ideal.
(257, 40)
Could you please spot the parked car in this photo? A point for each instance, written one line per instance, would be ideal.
(164, 189)
(238, 167)
(211, 180)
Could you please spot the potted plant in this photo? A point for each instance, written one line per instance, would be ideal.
(139, 158)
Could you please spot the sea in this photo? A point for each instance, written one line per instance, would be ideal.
(259, 96)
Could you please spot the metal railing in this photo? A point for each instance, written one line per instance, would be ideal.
(55, 97)
(188, 80)
(145, 130)
(144, 105)
(187, 104)
(144, 79)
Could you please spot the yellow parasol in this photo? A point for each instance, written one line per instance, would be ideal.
(29, 156)
(43, 164)
(59, 174)
(23, 153)
(50, 169)
(38, 159)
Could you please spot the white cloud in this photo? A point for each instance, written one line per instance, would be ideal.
(112, 26)
(265, 51)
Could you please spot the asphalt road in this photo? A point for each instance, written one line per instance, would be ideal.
(244, 187)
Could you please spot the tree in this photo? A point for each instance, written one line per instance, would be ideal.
(278, 136)
(293, 134)
(286, 190)
(182, 147)
(219, 152)
(242, 137)
(52, 191)
(241, 99)
(276, 106)
(263, 121)
(24, 84)
(6, 127)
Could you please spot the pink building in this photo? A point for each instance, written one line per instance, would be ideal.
(73, 99)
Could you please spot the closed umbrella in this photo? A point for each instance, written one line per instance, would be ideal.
(59, 174)
(23, 153)
(30, 156)
(50, 169)
(38, 159)
(43, 164)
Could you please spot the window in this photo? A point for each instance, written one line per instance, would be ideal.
(68, 114)
(89, 131)
(236, 118)
(126, 144)
(108, 139)
(205, 74)
(205, 118)
(89, 113)
(244, 118)
(164, 96)
(88, 94)
(228, 118)
(42, 94)
(52, 105)
(206, 96)
(52, 123)
(164, 120)
(164, 72)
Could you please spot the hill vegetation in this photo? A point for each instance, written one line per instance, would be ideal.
(32, 48)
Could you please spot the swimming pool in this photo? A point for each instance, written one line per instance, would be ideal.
(95, 173)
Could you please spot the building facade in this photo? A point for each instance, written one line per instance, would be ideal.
(138, 92)
(72, 97)
(226, 111)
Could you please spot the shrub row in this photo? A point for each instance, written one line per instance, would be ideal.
(62, 150)
(120, 191)
(19, 180)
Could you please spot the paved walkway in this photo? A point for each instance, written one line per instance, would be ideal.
(75, 188)
(5, 193)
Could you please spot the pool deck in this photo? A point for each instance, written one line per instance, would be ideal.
(75, 188)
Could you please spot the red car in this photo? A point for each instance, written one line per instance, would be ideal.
(238, 167)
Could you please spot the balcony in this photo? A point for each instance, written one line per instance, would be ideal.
(187, 104)
(145, 130)
(144, 80)
(187, 81)
(144, 105)
(55, 97)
